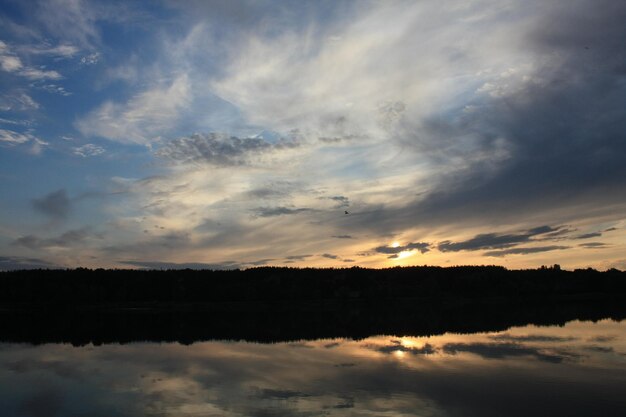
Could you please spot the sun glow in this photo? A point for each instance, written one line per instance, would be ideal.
(405, 254)
(408, 343)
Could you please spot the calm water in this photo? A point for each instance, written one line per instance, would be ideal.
(575, 370)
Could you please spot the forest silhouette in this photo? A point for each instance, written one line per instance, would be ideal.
(271, 304)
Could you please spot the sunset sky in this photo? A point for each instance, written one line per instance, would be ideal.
(233, 134)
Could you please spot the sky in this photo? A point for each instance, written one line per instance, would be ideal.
(234, 134)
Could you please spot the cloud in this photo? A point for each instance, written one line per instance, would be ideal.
(219, 149)
(500, 128)
(276, 394)
(297, 257)
(426, 349)
(435, 121)
(329, 256)
(11, 263)
(422, 247)
(524, 251)
(55, 89)
(88, 150)
(503, 350)
(67, 239)
(55, 205)
(9, 62)
(340, 200)
(61, 51)
(589, 235)
(71, 20)
(17, 101)
(531, 338)
(593, 245)
(145, 116)
(15, 122)
(12, 137)
(278, 211)
(493, 240)
(90, 59)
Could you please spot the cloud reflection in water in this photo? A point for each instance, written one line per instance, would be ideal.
(568, 370)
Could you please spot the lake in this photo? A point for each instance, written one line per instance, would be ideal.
(578, 369)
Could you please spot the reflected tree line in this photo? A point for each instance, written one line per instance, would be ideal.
(278, 304)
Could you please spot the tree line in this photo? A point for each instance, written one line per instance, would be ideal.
(81, 286)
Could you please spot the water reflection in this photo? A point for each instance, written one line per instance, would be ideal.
(577, 369)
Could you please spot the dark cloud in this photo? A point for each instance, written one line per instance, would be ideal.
(493, 240)
(266, 192)
(348, 260)
(588, 235)
(348, 402)
(427, 349)
(342, 236)
(277, 211)
(56, 205)
(524, 251)
(555, 144)
(297, 257)
(329, 256)
(603, 339)
(218, 149)
(260, 262)
(592, 245)
(503, 350)
(599, 349)
(423, 247)
(67, 239)
(341, 201)
(278, 394)
(531, 338)
(11, 263)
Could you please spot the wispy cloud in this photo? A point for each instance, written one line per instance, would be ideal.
(493, 240)
(17, 101)
(88, 149)
(278, 211)
(219, 149)
(144, 117)
(10, 62)
(524, 250)
(11, 137)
